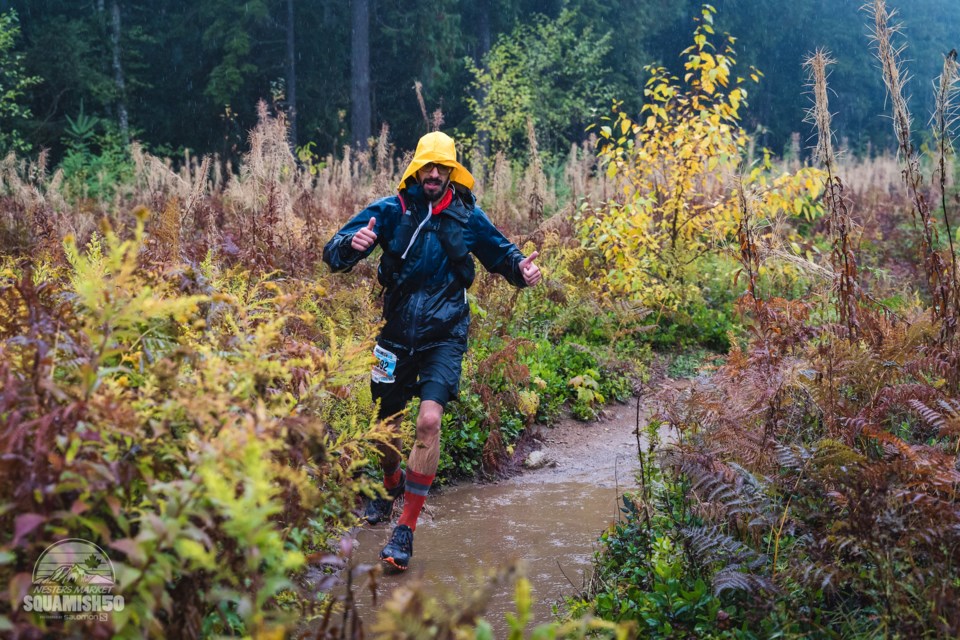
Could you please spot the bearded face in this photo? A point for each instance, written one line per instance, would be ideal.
(434, 178)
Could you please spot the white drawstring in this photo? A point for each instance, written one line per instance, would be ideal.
(417, 232)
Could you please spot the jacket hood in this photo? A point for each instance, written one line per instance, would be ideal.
(439, 148)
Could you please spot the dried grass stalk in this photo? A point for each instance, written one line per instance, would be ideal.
(842, 256)
(942, 279)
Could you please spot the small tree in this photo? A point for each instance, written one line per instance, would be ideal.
(13, 84)
(677, 168)
(545, 71)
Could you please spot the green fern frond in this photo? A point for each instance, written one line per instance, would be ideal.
(710, 545)
(732, 579)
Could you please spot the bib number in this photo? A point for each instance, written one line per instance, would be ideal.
(385, 369)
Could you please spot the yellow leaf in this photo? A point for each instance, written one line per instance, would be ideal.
(194, 553)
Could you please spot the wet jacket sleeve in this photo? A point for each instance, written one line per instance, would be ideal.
(495, 252)
(338, 253)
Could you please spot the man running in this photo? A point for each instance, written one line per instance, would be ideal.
(428, 231)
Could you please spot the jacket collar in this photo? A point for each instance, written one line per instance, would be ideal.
(459, 209)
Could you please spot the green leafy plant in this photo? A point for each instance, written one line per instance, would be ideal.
(645, 572)
(588, 397)
(96, 162)
(178, 430)
(545, 72)
(15, 83)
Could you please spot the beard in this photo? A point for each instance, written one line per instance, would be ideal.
(434, 188)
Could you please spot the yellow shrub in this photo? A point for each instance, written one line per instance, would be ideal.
(677, 167)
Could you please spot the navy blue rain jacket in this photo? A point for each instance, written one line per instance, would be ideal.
(425, 301)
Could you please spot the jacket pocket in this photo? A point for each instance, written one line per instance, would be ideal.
(454, 245)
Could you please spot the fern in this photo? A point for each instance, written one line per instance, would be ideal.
(792, 457)
(727, 491)
(710, 545)
(945, 418)
(733, 579)
(737, 562)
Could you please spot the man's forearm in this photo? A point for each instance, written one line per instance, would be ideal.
(339, 255)
(509, 268)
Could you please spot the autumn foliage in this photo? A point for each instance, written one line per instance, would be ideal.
(676, 168)
(185, 385)
(807, 487)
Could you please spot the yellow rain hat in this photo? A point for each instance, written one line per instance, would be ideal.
(439, 148)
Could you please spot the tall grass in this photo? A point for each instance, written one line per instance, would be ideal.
(275, 210)
(942, 280)
(843, 259)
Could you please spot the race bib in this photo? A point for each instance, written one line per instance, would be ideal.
(386, 367)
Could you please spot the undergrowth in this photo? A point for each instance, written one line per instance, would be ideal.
(187, 387)
(808, 486)
(184, 385)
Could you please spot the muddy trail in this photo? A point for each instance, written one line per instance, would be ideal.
(548, 518)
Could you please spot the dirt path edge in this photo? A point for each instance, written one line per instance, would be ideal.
(602, 452)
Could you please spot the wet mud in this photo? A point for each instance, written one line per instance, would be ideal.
(549, 518)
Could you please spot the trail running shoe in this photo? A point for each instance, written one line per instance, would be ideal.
(377, 510)
(397, 552)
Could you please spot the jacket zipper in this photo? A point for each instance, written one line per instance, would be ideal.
(420, 290)
(413, 324)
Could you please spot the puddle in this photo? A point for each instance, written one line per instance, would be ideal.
(549, 519)
(472, 530)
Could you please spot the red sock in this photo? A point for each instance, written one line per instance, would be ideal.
(418, 486)
(391, 480)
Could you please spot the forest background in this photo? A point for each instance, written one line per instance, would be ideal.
(182, 76)
(184, 383)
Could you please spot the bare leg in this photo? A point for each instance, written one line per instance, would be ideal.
(379, 508)
(422, 464)
(425, 454)
(390, 455)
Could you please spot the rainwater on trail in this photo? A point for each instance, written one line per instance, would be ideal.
(549, 518)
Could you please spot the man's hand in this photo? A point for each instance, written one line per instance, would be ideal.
(531, 272)
(364, 239)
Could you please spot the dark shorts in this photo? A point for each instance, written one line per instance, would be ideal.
(432, 374)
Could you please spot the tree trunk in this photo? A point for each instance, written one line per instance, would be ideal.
(484, 36)
(484, 39)
(118, 73)
(360, 116)
(291, 76)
